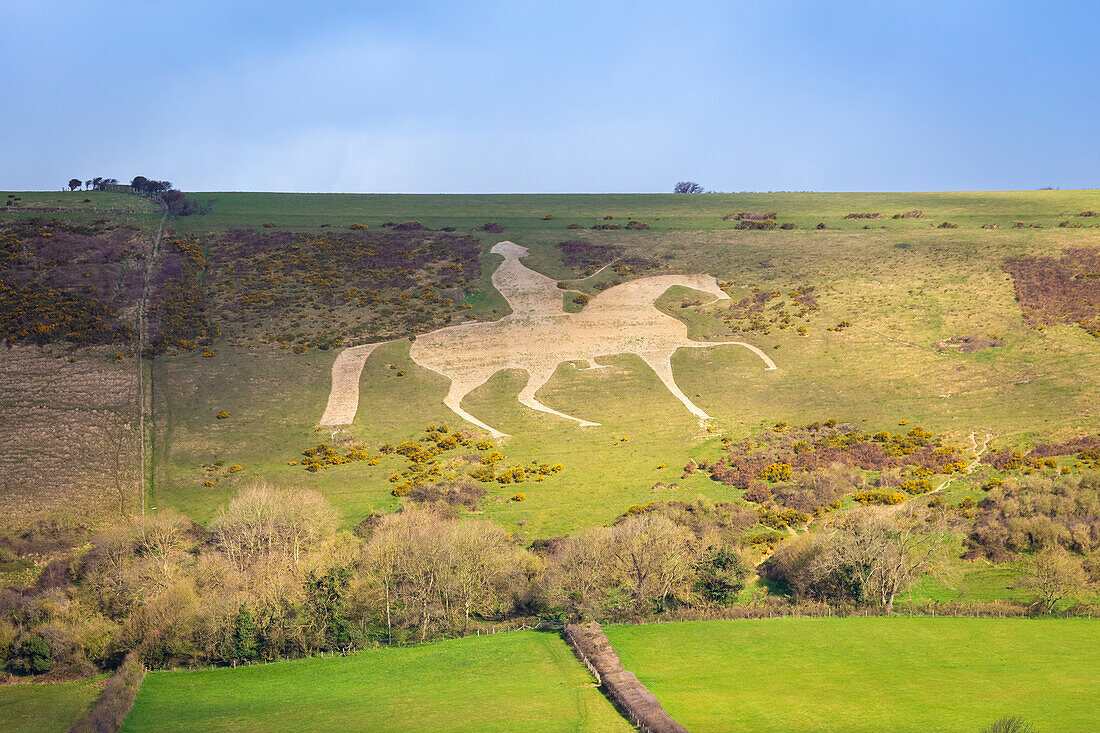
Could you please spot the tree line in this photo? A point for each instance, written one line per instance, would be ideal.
(273, 577)
(162, 191)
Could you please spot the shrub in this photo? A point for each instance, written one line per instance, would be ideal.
(911, 214)
(269, 225)
(32, 656)
(871, 496)
(519, 497)
(580, 299)
(788, 225)
(548, 217)
(359, 227)
(947, 225)
(722, 576)
(1011, 724)
(820, 225)
(461, 492)
(917, 486)
(491, 227)
(764, 224)
(776, 472)
(223, 415)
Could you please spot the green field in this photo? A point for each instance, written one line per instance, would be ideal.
(34, 708)
(511, 681)
(868, 674)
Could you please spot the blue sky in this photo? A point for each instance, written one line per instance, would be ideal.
(551, 96)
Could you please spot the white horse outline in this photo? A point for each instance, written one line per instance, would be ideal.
(538, 336)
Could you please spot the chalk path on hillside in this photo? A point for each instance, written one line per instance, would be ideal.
(538, 336)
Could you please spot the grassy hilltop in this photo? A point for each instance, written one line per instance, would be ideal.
(904, 285)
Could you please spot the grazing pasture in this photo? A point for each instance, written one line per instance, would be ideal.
(868, 674)
(37, 707)
(511, 681)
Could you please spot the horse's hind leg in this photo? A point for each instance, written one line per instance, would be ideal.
(661, 363)
(535, 381)
(453, 400)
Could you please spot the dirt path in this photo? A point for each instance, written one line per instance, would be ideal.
(538, 336)
(970, 467)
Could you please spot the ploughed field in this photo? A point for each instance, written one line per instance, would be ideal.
(868, 674)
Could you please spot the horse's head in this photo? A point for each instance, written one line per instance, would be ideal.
(509, 250)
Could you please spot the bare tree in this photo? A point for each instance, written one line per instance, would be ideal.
(1053, 575)
(654, 558)
(890, 550)
(423, 569)
(580, 572)
(870, 556)
(163, 538)
(263, 520)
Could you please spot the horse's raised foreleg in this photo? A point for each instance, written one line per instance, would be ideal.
(453, 400)
(343, 398)
(770, 365)
(661, 362)
(535, 381)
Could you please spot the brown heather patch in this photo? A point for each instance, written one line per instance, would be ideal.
(64, 281)
(1065, 290)
(322, 290)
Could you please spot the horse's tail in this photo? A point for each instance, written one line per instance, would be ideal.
(343, 399)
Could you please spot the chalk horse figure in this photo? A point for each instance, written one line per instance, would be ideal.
(538, 336)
